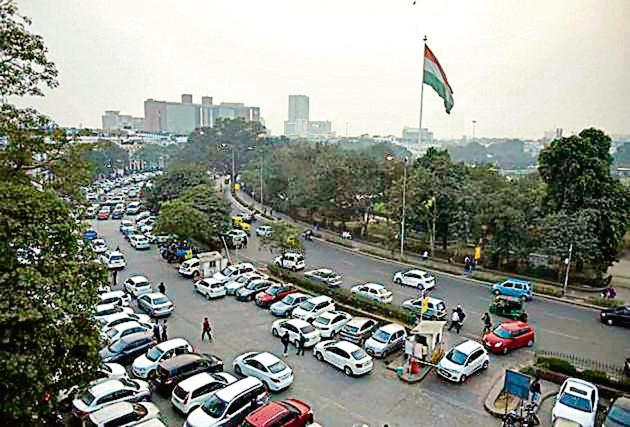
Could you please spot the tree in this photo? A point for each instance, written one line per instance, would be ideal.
(283, 239)
(216, 209)
(174, 182)
(184, 220)
(105, 157)
(47, 297)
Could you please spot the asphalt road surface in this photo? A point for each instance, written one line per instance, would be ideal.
(376, 399)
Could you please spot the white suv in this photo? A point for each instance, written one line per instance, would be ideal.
(232, 272)
(147, 363)
(290, 261)
(415, 278)
(114, 260)
(191, 393)
(190, 268)
(137, 285)
(463, 361)
(311, 308)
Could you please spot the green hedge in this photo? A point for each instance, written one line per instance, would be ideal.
(596, 377)
(547, 290)
(605, 302)
(338, 241)
(346, 297)
(556, 365)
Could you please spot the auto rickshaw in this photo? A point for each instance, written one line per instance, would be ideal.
(510, 307)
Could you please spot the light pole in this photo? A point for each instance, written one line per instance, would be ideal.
(402, 222)
(474, 123)
(566, 275)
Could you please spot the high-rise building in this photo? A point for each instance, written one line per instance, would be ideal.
(298, 108)
(410, 136)
(113, 120)
(298, 123)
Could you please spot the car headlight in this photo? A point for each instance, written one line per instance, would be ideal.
(603, 314)
(499, 344)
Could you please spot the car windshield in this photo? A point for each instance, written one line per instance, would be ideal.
(307, 305)
(279, 366)
(117, 346)
(381, 336)
(87, 398)
(154, 354)
(456, 356)
(619, 415)
(129, 383)
(253, 285)
(307, 329)
(289, 299)
(359, 354)
(273, 290)
(227, 271)
(575, 402)
(322, 320)
(215, 406)
(501, 332)
(160, 300)
(111, 333)
(116, 258)
(351, 329)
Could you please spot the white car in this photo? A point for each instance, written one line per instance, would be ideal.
(576, 401)
(146, 228)
(313, 307)
(373, 291)
(156, 304)
(264, 230)
(124, 414)
(462, 361)
(415, 278)
(344, 355)
(330, 323)
(126, 226)
(117, 318)
(291, 261)
(108, 392)
(114, 260)
(103, 310)
(232, 272)
(122, 330)
(105, 372)
(133, 208)
(233, 286)
(210, 288)
(324, 276)
(138, 241)
(273, 372)
(189, 268)
(142, 216)
(295, 328)
(191, 393)
(146, 364)
(137, 285)
(114, 297)
(99, 246)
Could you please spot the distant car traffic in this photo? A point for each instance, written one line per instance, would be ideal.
(514, 288)
(415, 278)
(616, 316)
(290, 261)
(264, 230)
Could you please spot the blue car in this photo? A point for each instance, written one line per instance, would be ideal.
(514, 288)
(90, 234)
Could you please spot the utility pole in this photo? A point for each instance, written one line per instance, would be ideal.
(566, 275)
(424, 48)
(262, 155)
(474, 123)
(233, 176)
(402, 222)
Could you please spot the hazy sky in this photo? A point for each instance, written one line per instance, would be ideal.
(517, 67)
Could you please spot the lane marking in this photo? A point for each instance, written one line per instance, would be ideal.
(573, 319)
(550, 331)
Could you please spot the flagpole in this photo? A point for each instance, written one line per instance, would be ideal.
(424, 45)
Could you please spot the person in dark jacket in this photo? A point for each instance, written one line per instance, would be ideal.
(164, 331)
(301, 344)
(206, 329)
(285, 342)
(156, 332)
(162, 288)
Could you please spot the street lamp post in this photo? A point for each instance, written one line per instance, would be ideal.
(566, 275)
(402, 222)
(474, 123)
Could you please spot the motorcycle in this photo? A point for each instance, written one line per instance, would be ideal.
(308, 235)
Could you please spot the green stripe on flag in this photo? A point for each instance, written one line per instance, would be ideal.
(437, 85)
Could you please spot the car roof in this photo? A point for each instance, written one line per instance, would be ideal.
(116, 253)
(510, 325)
(299, 323)
(136, 336)
(329, 314)
(373, 285)
(416, 271)
(139, 278)
(180, 359)
(579, 385)
(106, 387)
(228, 393)
(267, 359)
(623, 402)
(266, 413)
(196, 381)
(320, 298)
(112, 411)
(391, 328)
(515, 280)
(244, 264)
(112, 294)
(154, 295)
(172, 343)
(347, 346)
(125, 325)
(359, 321)
(468, 347)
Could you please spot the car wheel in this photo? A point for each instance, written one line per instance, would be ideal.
(208, 297)
(496, 292)
(610, 322)
(523, 299)
(530, 343)
(462, 379)
(294, 269)
(347, 371)
(238, 370)
(485, 365)
(275, 332)
(319, 357)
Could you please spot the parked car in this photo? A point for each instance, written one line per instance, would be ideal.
(114, 297)
(137, 285)
(122, 330)
(232, 286)
(462, 361)
(133, 208)
(272, 294)
(331, 323)
(249, 291)
(284, 307)
(103, 214)
(126, 224)
(576, 401)
(193, 392)
(232, 272)
(436, 309)
(273, 372)
(509, 335)
(99, 246)
(108, 392)
(616, 316)
(514, 288)
(127, 348)
(324, 276)
(176, 369)
(114, 260)
(90, 234)
(210, 288)
(123, 414)
(145, 365)
(358, 330)
(415, 278)
(264, 230)
(190, 268)
(90, 212)
(291, 261)
(103, 310)
(118, 213)
(619, 413)
(344, 355)
(156, 304)
(289, 412)
(386, 340)
(230, 405)
(313, 307)
(139, 242)
(296, 328)
(373, 291)
(112, 320)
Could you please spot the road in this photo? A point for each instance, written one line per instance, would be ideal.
(337, 400)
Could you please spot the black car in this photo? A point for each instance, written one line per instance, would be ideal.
(126, 349)
(249, 291)
(616, 316)
(176, 369)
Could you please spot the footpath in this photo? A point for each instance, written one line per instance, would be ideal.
(546, 289)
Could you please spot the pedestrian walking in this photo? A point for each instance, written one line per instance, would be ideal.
(285, 342)
(156, 331)
(114, 278)
(455, 321)
(301, 344)
(467, 264)
(487, 323)
(534, 389)
(164, 331)
(206, 329)
(162, 288)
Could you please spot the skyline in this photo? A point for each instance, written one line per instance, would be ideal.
(515, 71)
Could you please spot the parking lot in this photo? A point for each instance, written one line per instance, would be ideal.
(337, 400)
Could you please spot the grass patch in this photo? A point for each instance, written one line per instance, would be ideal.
(343, 242)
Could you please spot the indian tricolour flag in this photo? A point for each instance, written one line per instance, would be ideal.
(435, 77)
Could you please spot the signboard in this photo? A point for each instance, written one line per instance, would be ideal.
(477, 253)
(517, 384)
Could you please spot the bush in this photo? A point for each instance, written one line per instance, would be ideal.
(338, 241)
(597, 377)
(547, 290)
(605, 302)
(344, 296)
(556, 365)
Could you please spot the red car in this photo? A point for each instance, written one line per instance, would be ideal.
(103, 214)
(283, 413)
(273, 294)
(508, 336)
